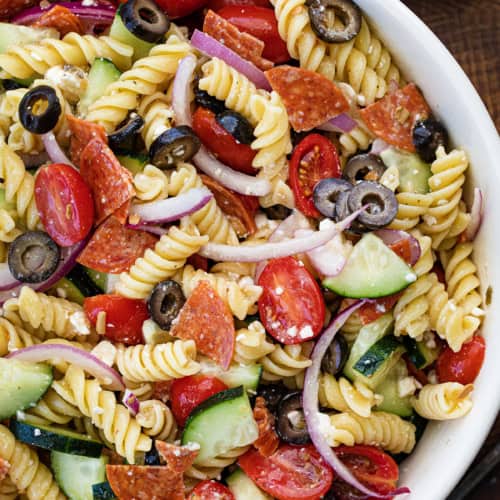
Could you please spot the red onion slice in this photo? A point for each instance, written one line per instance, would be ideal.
(56, 154)
(172, 209)
(342, 123)
(379, 146)
(476, 213)
(79, 357)
(212, 47)
(392, 236)
(181, 92)
(156, 230)
(241, 183)
(7, 281)
(311, 407)
(276, 250)
(131, 402)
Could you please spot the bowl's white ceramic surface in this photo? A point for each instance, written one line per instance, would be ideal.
(447, 448)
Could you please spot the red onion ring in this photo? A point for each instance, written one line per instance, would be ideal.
(7, 281)
(379, 146)
(56, 154)
(311, 407)
(156, 230)
(181, 91)
(392, 236)
(476, 215)
(131, 402)
(342, 123)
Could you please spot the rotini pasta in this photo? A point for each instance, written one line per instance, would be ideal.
(411, 207)
(157, 420)
(285, 362)
(251, 344)
(8, 490)
(443, 401)
(157, 114)
(151, 184)
(14, 337)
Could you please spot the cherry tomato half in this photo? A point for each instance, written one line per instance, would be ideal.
(124, 317)
(313, 159)
(291, 305)
(180, 8)
(261, 23)
(210, 490)
(187, 393)
(221, 143)
(371, 466)
(291, 472)
(462, 366)
(220, 4)
(65, 203)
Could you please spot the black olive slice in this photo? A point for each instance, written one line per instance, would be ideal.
(291, 425)
(326, 192)
(321, 15)
(11, 84)
(382, 204)
(33, 257)
(342, 211)
(273, 394)
(145, 20)
(365, 167)
(174, 145)
(428, 135)
(205, 100)
(39, 109)
(125, 138)
(165, 302)
(152, 457)
(238, 126)
(336, 355)
(277, 212)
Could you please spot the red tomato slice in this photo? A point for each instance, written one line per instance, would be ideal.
(65, 203)
(187, 393)
(462, 366)
(221, 143)
(211, 490)
(198, 262)
(371, 466)
(180, 8)
(292, 472)
(124, 317)
(313, 159)
(419, 374)
(220, 4)
(261, 23)
(291, 305)
(374, 309)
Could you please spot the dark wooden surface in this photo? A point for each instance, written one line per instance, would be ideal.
(471, 31)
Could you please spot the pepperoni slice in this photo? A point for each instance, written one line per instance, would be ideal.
(206, 319)
(309, 98)
(113, 248)
(198, 262)
(244, 44)
(162, 390)
(393, 117)
(177, 458)
(111, 184)
(82, 132)
(62, 19)
(268, 441)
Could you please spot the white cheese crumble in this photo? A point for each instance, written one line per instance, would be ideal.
(105, 351)
(80, 322)
(407, 386)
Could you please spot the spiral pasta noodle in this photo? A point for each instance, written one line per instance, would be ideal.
(251, 344)
(157, 114)
(24, 61)
(154, 363)
(158, 264)
(352, 326)
(351, 142)
(341, 395)
(119, 427)
(14, 337)
(425, 262)
(147, 76)
(443, 401)
(26, 472)
(386, 430)
(8, 230)
(8, 490)
(142, 390)
(285, 362)
(411, 207)
(151, 184)
(157, 420)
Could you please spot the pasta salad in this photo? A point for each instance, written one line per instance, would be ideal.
(236, 260)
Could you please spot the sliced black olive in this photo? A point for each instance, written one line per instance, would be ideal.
(205, 100)
(237, 125)
(11, 84)
(145, 20)
(428, 135)
(174, 145)
(321, 16)
(152, 457)
(291, 424)
(365, 167)
(342, 211)
(326, 192)
(381, 201)
(33, 257)
(39, 109)
(277, 212)
(273, 394)
(126, 137)
(165, 302)
(336, 355)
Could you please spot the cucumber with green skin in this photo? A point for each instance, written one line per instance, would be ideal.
(246, 375)
(102, 491)
(243, 488)
(419, 353)
(389, 389)
(134, 163)
(76, 285)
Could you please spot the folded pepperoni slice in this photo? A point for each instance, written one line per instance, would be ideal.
(393, 117)
(111, 184)
(268, 441)
(309, 98)
(62, 19)
(82, 132)
(207, 320)
(113, 248)
(177, 458)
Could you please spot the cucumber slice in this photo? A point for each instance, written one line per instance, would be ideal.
(119, 32)
(372, 270)
(76, 475)
(246, 375)
(221, 423)
(102, 491)
(419, 354)
(100, 280)
(389, 389)
(22, 385)
(67, 289)
(76, 285)
(102, 73)
(15, 34)
(56, 439)
(243, 488)
(413, 172)
(135, 163)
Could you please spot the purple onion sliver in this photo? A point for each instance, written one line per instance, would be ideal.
(7, 281)
(391, 236)
(181, 91)
(156, 230)
(131, 402)
(379, 146)
(476, 213)
(56, 154)
(343, 122)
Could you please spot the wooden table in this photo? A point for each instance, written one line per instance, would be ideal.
(471, 31)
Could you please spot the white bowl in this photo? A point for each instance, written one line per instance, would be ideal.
(448, 448)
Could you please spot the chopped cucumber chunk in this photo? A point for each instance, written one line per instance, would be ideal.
(389, 390)
(243, 488)
(246, 375)
(419, 353)
(133, 162)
